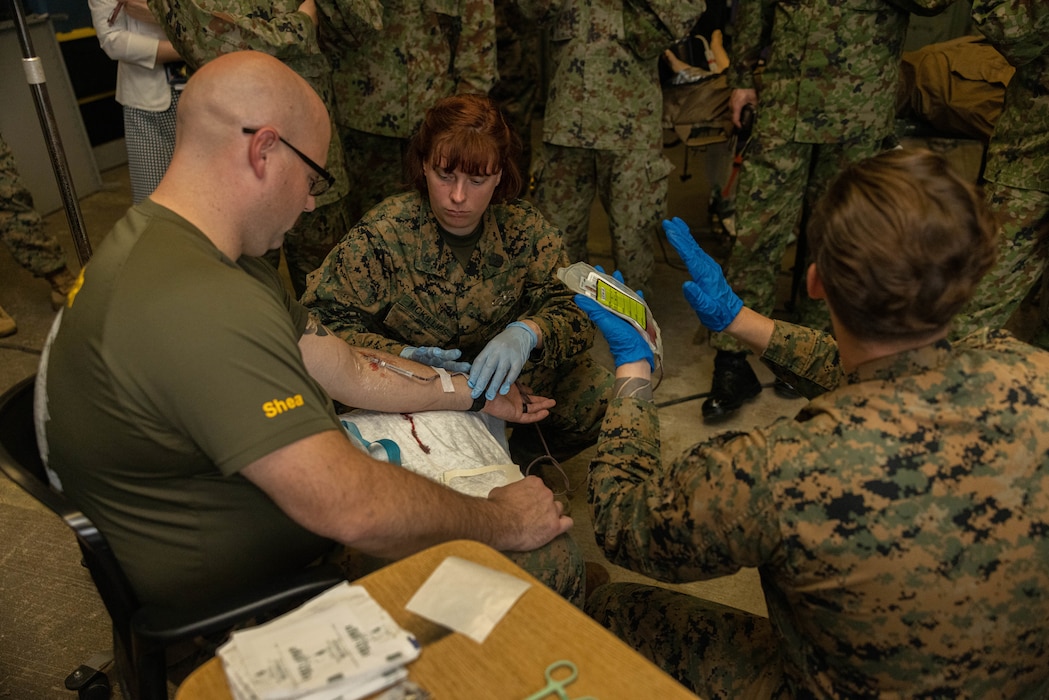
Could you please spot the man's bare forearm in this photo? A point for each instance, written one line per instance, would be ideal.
(377, 380)
(337, 491)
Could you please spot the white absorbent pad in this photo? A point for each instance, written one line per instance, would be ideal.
(466, 451)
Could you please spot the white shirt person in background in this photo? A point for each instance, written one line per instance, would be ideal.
(131, 36)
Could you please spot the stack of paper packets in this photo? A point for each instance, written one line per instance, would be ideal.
(339, 644)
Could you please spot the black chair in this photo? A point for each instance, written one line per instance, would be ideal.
(140, 634)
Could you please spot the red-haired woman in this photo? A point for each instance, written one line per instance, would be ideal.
(461, 274)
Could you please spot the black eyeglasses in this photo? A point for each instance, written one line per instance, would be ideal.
(317, 187)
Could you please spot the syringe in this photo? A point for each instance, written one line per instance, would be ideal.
(378, 362)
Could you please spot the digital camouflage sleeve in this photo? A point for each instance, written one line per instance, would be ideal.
(900, 522)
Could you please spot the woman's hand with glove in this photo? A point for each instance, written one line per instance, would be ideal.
(500, 363)
(436, 357)
(707, 293)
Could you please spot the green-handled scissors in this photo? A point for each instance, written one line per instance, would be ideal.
(556, 686)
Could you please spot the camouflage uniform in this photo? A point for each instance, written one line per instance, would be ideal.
(900, 523)
(391, 284)
(388, 71)
(21, 229)
(602, 133)
(1017, 170)
(517, 50)
(826, 98)
(202, 30)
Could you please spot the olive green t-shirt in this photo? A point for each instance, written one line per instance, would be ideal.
(173, 368)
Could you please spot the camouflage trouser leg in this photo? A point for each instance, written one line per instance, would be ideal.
(632, 186)
(21, 228)
(582, 388)
(776, 181)
(375, 168)
(1022, 255)
(714, 650)
(633, 190)
(311, 239)
(517, 51)
(565, 187)
(770, 190)
(830, 160)
(557, 564)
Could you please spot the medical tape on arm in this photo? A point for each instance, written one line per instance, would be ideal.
(446, 380)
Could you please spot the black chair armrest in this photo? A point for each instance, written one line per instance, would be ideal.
(161, 627)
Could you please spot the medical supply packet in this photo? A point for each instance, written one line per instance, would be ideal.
(340, 644)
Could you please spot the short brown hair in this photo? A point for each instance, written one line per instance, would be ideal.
(467, 132)
(900, 242)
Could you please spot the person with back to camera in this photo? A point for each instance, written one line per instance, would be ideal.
(900, 521)
(193, 424)
(461, 274)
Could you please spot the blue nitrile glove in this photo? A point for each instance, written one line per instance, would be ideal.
(436, 357)
(501, 361)
(708, 293)
(624, 340)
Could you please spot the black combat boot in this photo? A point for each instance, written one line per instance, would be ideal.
(733, 383)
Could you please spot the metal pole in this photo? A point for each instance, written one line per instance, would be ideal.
(34, 71)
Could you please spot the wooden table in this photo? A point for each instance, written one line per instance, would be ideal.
(540, 629)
